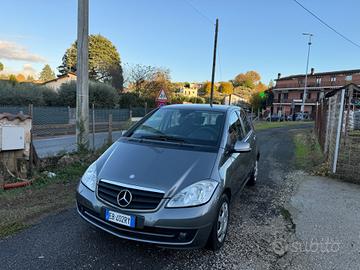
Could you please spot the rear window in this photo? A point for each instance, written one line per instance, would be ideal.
(202, 127)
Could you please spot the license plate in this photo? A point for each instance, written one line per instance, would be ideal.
(118, 218)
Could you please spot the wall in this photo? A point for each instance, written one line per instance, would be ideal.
(57, 83)
(16, 161)
(325, 81)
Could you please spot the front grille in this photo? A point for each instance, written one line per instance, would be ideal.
(141, 199)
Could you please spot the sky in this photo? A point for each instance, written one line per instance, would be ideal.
(261, 35)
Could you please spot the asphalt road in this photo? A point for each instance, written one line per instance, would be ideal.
(65, 241)
(46, 147)
(327, 217)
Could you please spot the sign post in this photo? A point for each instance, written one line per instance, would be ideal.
(161, 99)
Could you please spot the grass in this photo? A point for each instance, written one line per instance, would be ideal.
(288, 217)
(22, 207)
(308, 154)
(266, 125)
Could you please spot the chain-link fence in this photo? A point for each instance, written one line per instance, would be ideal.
(54, 128)
(55, 121)
(338, 130)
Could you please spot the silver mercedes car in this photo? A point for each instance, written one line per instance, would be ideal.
(169, 179)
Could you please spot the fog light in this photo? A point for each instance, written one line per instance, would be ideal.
(182, 236)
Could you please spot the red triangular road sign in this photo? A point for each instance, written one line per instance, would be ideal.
(162, 96)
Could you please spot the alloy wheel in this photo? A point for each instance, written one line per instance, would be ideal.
(222, 222)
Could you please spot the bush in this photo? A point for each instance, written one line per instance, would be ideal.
(101, 94)
(180, 99)
(198, 100)
(127, 100)
(67, 94)
(20, 94)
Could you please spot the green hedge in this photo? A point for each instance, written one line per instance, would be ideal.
(21, 94)
(101, 94)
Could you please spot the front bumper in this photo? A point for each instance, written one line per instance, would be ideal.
(169, 227)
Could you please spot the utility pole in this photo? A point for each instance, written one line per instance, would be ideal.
(214, 62)
(82, 82)
(306, 73)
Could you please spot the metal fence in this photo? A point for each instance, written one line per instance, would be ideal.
(338, 129)
(55, 121)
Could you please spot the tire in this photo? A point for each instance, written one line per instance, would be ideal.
(253, 178)
(216, 240)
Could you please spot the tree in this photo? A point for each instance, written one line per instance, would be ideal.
(159, 81)
(271, 84)
(248, 79)
(256, 100)
(1, 66)
(30, 78)
(12, 79)
(226, 88)
(206, 88)
(20, 78)
(260, 87)
(147, 81)
(104, 61)
(47, 74)
(137, 76)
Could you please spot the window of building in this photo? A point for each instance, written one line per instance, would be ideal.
(301, 95)
(286, 96)
(333, 79)
(309, 95)
(348, 78)
(318, 81)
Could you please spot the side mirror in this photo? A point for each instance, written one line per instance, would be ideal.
(123, 132)
(242, 147)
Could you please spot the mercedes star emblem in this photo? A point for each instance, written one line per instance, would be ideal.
(124, 198)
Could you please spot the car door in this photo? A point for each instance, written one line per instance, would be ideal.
(239, 163)
(249, 137)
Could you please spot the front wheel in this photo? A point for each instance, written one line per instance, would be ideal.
(220, 226)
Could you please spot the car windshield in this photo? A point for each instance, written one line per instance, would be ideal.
(201, 127)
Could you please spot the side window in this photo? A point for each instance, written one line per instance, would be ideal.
(245, 120)
(235, 129)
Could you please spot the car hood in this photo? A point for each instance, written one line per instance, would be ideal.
(156, 166)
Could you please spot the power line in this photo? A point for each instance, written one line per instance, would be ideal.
(326, 24)
(198, 11)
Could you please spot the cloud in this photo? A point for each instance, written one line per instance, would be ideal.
(13, 51)
(27, 70)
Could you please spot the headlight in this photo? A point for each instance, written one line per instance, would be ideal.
(195, 194)
(89, 177)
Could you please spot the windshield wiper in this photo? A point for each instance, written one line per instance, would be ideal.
(166, 138)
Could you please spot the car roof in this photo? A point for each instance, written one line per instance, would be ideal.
(219, 108)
